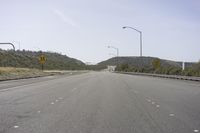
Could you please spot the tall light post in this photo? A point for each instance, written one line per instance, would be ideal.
(140, 37)
(18, 42)
(117, 50)
(8, 43)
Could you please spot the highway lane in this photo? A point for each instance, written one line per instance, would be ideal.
(100, 102)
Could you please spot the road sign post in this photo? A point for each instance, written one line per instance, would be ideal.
(42, 67)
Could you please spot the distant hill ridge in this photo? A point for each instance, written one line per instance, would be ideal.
(141, 62)
(152, 65)
(30, 59)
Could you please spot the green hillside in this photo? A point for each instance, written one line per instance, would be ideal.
(30, 59)
(152, 65)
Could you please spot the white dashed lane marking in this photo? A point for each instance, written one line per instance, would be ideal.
(16, 126)
(157, 106)
(60, 98)
(57, 100)
(39, 111)
(171, 115)
(148, 100)
(153, 103)
(196, 131)
(74, 89)
(52, 103)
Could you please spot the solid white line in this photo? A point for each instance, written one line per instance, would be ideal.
(48, 77)
(20, 86)
(12, 88)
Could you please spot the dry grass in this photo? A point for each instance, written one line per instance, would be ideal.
(15, 73)
(12, 70)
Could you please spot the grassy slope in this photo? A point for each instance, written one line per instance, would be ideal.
(16, 73)
(29, 59)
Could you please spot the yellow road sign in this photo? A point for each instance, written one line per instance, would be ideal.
(42, 59)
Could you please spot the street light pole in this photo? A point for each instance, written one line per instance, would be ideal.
(8, 43)
(117, 50)
(18, 42)
(140, 37)
(141, 44)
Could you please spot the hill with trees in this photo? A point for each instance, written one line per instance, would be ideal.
(135, 61)
(30, 59)
(152, 65)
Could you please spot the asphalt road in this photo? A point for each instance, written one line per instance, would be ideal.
(99, 102)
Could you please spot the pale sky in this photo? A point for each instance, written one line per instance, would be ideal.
(83, 29)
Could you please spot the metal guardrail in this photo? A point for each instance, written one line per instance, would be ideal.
(163, 76)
